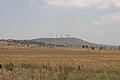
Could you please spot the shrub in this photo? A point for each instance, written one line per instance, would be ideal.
(0, 66)
(9, 66)
(93, 48)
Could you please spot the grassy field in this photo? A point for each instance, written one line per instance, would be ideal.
(59, 64)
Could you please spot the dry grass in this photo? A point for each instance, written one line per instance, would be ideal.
(59, 64)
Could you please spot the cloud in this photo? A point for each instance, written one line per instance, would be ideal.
(116, 3)
(83, 3)
(107, 27)
(109, 19)
(70, 3)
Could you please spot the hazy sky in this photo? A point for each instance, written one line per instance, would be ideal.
(92, 20)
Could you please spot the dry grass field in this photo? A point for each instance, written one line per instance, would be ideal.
(59, 64)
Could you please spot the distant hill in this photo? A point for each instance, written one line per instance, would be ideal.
(70, 42)
(63, 41)
(59, 42)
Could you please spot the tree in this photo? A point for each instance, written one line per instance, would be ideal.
(93, 48)
(86, 46)
(83, 46)
(100, 48)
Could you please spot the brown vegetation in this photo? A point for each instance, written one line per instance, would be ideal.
(59, 64)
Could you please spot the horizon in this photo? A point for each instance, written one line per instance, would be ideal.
(62, 38)
(89, 20)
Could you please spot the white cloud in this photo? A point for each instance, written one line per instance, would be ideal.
(109, 19)
(71, 3)
(83, 3)
(116, 3)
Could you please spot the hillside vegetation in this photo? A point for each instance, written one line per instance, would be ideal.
(56, 42)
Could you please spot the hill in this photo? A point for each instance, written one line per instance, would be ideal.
(71, 42)
(53, 42)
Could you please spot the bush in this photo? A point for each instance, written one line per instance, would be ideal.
(9, 66)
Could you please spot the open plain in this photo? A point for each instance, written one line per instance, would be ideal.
(59, 64)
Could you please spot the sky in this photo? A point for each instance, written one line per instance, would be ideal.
(95, 21)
